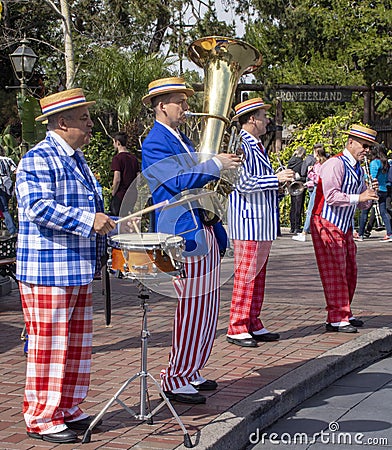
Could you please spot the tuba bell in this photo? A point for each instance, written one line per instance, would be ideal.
(224, 60)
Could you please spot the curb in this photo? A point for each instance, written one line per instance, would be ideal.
(233, 428)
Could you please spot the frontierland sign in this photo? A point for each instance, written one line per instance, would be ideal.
(314, 95)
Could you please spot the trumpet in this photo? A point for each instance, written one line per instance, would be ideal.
(377, 214)
(294, 188)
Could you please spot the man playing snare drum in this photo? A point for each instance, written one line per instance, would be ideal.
(170, 166)
(60, 241)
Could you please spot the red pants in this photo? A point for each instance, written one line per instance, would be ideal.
(59, 324)
(250, 265)
(196, 318)
(336, 260)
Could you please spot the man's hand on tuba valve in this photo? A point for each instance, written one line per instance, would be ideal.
(229, 160)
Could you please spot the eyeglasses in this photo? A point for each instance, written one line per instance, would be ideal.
(364, 146)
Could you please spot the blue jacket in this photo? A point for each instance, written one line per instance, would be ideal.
(57, 245)
(169, 170)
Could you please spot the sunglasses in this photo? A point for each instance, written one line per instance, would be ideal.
(365, 146)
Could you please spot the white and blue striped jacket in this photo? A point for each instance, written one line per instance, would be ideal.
(342, 217)
(253, 205)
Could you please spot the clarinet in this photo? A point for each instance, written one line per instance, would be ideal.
(379, 222)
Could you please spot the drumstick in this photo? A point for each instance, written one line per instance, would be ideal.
(186, 199)
(135, 226)
(142, 211)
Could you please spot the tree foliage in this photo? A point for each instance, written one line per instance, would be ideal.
(338, 42)
(99, 154)
(120, 80)
(324, 42)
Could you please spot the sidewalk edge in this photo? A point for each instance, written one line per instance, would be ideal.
(233, 428)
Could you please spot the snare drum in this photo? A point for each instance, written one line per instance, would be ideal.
(147, 255)
(116, 259)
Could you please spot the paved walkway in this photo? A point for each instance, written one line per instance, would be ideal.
(353, 412)
(256, 386)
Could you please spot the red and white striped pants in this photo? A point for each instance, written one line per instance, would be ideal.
(196, 317)
(336, 260)
(59, 325)
(250, 265)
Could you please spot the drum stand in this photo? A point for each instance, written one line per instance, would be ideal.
(143, 375)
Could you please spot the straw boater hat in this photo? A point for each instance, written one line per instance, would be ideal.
(61, 101)
(166, 86)
(248, 106)
(367, 134)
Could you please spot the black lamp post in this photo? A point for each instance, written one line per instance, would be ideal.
(23, 60)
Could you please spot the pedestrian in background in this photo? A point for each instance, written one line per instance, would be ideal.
(379, 168)
(125, 168)
(313, 176)
(297, 202)
(7, 169)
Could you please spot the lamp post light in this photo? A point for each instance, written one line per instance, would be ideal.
(23, 60)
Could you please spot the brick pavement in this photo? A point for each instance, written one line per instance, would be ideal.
(294, 306)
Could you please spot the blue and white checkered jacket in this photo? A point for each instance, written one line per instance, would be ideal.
(56, 206)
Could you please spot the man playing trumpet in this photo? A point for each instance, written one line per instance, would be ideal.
(253, 225)
(341, 189)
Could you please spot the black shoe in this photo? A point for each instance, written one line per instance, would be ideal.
(341, 329)
(247, 342)
(194, 399)
(266, 337)
(62, 437)
(208, 385)
(357, 323)
(82, 424)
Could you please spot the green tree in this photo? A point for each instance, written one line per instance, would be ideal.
(338, 42)
(99, 154)
(119, 82)
(330, 42)
(328, 131)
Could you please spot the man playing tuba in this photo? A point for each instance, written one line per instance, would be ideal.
(171, 166)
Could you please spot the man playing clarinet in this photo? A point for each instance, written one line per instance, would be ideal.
(341, 189)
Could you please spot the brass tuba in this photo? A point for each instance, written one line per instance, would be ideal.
(224, 61)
